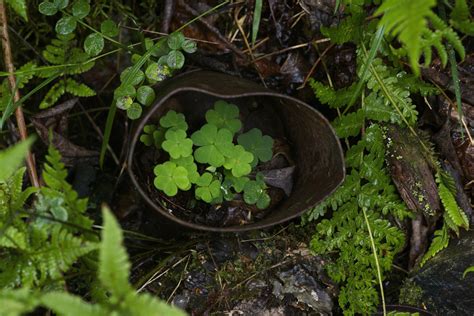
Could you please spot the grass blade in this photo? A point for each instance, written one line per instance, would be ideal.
(257, 14)
(11, 106)
(376, 41)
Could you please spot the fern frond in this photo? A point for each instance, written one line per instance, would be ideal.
(69, 59)
(327, 95)
(350, 124)
(17, 302)
(452, 210)
(114, 265)
(348, 30)
(54, 176)
(460, 17)
(53, 95)
(440, 241)
(78, 89)
(407, 19)
(63, 303)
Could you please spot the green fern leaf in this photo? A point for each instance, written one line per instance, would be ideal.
(17, 302)
(12, 158)
(451, 207)
(66, 304)
(114, 265)
(440, 241)
(349, 125)
(19, 6)
(145, 304)
(327, 95)
(53, 95)
(78, 89)
(407, 19)
(54, 176)
(460, 17)
(348, 30)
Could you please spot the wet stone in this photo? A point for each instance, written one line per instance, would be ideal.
(445, 292)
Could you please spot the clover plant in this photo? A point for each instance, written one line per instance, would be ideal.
(217, 159)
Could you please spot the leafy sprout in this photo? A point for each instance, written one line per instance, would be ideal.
(152, 135)
(224, 115)
(238, 183)
(190, 166)
(170, 177)
(214, 145)
(239, 161)
(174, 120)
(255, 193)
(261, 146)
(177, 144)
(208, 189)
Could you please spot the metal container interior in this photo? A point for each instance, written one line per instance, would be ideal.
(316, 150)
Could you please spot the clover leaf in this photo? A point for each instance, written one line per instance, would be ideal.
(214, 145)
(174, 120)
(153, 135)
(156, 72)
(226, 189)
(239, 161)
(190, 166)
(208, 189)
(224, 115)
(238, 183)
(177, 144)
(170, 177)
(260, 146)
(134, 111)
(255, 193)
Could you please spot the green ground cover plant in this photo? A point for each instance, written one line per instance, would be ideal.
(224, 159)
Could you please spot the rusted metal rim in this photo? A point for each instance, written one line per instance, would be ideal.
(182, 84)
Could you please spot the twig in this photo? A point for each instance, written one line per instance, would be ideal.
(20, 119)
(314, 66)
(169, 8)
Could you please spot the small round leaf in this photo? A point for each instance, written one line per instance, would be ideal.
(66, 25)
(156, 72)
(61, 4)
(122, 91)
(189, 46)
(47, 8)
(109, 28)
(145, 95)
(175, 40)
(175, 59)
(134, 111)
(81, 9)
(94, 44)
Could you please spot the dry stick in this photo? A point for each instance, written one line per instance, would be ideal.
(314, 66)
(20, 119)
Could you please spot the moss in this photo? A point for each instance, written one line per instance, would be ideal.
(411, 294)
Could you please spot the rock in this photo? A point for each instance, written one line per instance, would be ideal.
(445, 292)
(299, 283)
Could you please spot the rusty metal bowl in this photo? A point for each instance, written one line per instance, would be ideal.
(316, 150)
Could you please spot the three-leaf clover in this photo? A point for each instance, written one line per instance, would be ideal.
(94, 44)
(170, 177)
(189, 164)
(239, 161)
(177, 144)
(261, 146)
(238, 183)
(255, 193)
(153, 135)
(174, 120)
(224, 115)
(214, 145)
(208, 189)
